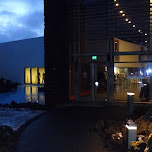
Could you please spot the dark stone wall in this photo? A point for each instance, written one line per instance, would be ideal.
(56, 52)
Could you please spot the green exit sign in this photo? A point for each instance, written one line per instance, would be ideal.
(94, 57)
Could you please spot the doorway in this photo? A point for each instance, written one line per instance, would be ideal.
(90, 82)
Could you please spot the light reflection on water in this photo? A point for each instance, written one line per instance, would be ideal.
(24, 93)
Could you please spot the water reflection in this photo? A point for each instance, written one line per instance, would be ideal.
(24, 93)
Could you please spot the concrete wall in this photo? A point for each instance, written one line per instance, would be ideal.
(17, 55)
(125, 46)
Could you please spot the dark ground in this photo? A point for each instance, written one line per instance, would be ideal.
(68, 130)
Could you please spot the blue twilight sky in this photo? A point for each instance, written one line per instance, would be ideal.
(21, 19)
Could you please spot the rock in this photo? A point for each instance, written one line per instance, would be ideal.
(13, 104)
(150, 141)
(138, 146)
(5, 133)
(142, 126)
(100, 127)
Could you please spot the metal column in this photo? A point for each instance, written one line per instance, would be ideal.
(93, 79)
(77, 82)
(110, 50)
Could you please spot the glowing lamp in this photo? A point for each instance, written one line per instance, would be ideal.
(117, 4)
(121, 11)
(130, 93)
(129, 22)
(123, 14)
(96, 84)
(127, 19)
(134, 25)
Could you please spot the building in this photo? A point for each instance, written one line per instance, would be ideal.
(23, 61)
(81, 39)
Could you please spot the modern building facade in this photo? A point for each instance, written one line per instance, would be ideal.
(23, 61)
(98, 40)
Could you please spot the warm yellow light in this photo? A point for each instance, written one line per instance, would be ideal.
(134, 25)
(115, 0)
(126, 19)
(130, 93)
(121, 11)
(116, 42)
(131, 127)
(123, 14)
(117, 4)
(27, 76)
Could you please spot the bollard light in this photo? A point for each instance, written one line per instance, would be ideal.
(131, 132)
(130, 102)
(130, 93)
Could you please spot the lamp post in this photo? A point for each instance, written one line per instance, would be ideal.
(131, 132)
(130, 102)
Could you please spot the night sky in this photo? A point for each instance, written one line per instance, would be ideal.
(21, 19)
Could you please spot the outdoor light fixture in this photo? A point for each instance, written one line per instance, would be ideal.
(96, 84)
(139, 30)
(134, 25)
(145, 41)
(129, 22)
(115, 0)
(131, 132)
(121, 12)
(145, 84)
(139, 82)
(130, 93)
(130, 103)
(116, 42)
(117, 4)
(126, 19)
(145, 33)
(131, 127)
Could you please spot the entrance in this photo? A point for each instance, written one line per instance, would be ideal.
(90, 82)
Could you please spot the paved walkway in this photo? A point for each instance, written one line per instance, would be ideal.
(67, 130)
